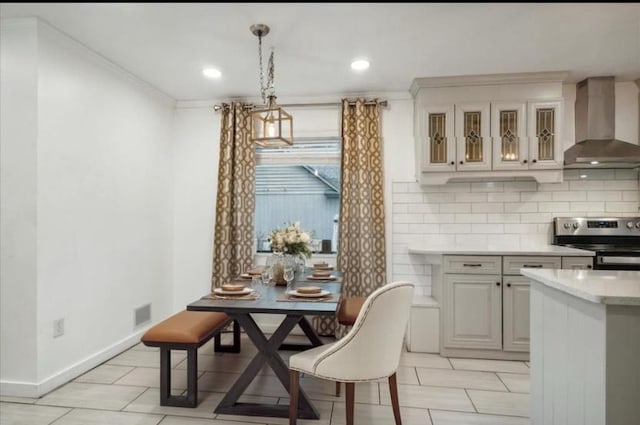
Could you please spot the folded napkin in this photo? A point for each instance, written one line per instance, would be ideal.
(255, 272)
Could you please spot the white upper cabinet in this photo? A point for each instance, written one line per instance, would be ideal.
(473, 140)
(489, 127)
(439, 153)
(509, 136)
(545, 141)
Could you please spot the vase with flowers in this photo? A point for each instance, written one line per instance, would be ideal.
(290, 245)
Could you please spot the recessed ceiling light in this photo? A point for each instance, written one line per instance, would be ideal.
(360, 65)
(594, 163)
(583, 176)
(211, 73)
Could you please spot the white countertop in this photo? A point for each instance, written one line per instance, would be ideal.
(597, 286)
(495, 250)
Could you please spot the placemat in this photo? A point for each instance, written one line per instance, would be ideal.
(331, 298)
(306, 279)
(212, 296)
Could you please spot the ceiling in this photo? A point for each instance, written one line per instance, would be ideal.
(168, 44)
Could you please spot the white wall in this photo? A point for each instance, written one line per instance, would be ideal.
(18, 108)
(196, 150)
(104, 211)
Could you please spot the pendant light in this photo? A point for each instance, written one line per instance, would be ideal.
(271, 126)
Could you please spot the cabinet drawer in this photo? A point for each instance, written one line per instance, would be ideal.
(577, 263)
(472, 264)
(513, 264)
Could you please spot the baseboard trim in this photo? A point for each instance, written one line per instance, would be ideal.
(38, 389)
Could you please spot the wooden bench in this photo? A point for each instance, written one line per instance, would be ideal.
(187, 330)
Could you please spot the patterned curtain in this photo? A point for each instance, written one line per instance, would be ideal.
(235, 204)
(361, 241)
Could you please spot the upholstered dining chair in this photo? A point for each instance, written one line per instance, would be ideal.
(368, 352)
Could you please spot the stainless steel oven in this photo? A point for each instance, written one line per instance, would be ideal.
(615, 240)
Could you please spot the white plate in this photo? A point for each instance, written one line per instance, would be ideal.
(247, 276)
(322, 293)
(221, 291)
(311, 277)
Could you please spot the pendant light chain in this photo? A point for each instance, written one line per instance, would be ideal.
(262, 89)
(270, 75)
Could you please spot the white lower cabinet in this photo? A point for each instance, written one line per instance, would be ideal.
(515, 304)
(472, 311)
(485, 303)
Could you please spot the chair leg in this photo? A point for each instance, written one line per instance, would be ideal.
(350, 389)
(294, 380)
(393, 390)
(337, 388)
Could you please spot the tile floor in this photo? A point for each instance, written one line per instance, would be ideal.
(433, 390)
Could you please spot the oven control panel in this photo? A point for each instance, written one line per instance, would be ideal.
(586, 226)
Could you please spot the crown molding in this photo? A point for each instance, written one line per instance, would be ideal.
(488, 80)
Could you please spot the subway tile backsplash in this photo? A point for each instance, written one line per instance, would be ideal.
(509, 214)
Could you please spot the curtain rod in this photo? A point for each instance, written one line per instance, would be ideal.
(287, 105)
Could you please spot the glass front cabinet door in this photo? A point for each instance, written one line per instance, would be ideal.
(509, 136)
(438, 141)
(473, 141)
(544, 130)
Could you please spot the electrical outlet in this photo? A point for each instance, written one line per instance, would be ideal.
(58, 328)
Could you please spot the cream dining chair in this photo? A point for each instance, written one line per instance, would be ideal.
(369, 352)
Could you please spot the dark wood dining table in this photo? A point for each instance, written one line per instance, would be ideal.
(295, 313)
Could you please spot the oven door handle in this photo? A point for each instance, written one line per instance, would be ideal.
(618, 260)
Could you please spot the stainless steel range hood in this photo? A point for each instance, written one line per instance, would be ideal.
(595, 129)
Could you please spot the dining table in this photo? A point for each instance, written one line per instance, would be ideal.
(273, 299)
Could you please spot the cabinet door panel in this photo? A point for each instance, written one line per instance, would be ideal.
(515, 325)
(545, 135)
(473, 139)
(472, 311)
(438, 141)
(509, 136)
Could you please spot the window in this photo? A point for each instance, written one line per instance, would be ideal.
(299, 183)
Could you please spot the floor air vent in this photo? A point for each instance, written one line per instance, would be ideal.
(142, 315)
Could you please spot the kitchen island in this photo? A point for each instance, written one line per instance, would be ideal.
(585, 346)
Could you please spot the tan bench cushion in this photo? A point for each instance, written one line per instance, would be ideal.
(188, 327)
(349, 309)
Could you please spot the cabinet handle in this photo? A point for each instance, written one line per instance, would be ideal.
(534, 160)
(532, 266)
(508, 285)
(461, 162)
(589, 266)
(524, 161)
(472, 265)
(453, 163)
(497, 283)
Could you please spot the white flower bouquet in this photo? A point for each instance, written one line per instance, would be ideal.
(291, 240)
